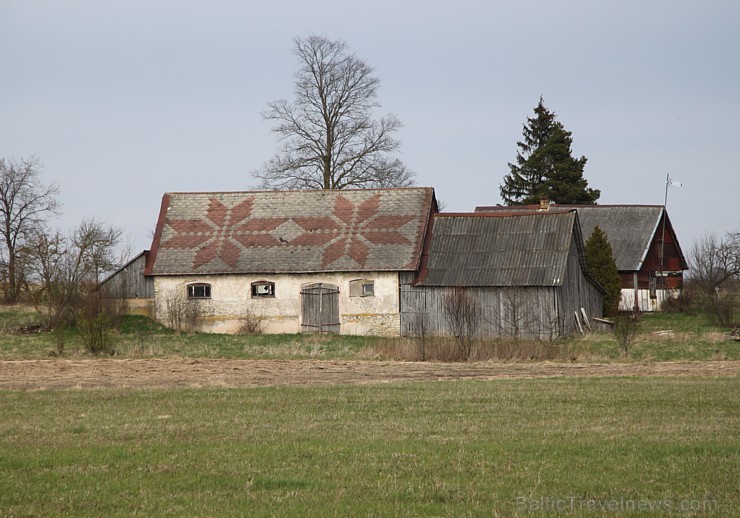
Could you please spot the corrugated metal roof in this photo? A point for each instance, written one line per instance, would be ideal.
(629, 228)
(291, 231)
(525, 250)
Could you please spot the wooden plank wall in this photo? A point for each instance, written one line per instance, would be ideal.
(577, 292)
(130, 282)
(527, 312)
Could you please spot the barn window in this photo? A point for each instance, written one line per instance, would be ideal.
(199, 291)
(263, 289)
(362, 288)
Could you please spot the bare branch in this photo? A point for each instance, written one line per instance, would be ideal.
(714, 261)
(25, 204)
(329, 138)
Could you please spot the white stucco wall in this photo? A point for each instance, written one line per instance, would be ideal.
(231, 300)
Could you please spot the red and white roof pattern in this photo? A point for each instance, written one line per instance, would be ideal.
(290, 231)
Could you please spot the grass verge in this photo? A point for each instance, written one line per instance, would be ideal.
(463, 448)
(663, 337)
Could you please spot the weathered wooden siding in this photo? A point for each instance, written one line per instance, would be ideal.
(524, 312)
(129, 282)
(577, 293)
(527, 312)
(320, 308)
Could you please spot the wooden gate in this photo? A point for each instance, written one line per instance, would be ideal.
(320, 308)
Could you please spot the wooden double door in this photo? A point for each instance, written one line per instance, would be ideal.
(320, 308)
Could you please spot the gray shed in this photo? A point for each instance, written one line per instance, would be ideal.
(129, 281)
(527, 274)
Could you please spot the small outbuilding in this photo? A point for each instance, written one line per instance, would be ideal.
(129, 283)
(524, 275)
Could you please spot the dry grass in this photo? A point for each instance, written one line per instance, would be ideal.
(447, 350)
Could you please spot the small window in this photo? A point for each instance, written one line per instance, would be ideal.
(362, 288)
(199, 291)
(263, 289)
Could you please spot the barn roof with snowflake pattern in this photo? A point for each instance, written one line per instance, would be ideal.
(291, 231)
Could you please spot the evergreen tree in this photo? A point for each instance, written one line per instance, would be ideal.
(603, 267)
(545, 166)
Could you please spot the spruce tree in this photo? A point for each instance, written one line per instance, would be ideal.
(545, 166)
(603, 268)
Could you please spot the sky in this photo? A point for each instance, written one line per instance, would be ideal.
(124, 101)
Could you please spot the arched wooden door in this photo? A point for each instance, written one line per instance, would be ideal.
(320, 308)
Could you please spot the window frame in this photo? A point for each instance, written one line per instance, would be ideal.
(256, 284)
(193, 286)
(358, 288)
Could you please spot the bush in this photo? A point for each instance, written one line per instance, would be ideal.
(95, 332)
(250, 324)
(626, 328)
(181, 313)
(723, 307)
(95, 320)
(463, 314)
(683, 303)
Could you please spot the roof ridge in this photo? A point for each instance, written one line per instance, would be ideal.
(264, 191)
(499, 214)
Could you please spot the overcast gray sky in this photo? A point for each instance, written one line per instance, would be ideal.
(123, 101)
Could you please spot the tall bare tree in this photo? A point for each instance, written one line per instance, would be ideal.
(714, 268)
(67, 269)
(714, 261)
(329, 138)
(25, 202)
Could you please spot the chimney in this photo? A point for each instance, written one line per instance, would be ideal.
(544, 204)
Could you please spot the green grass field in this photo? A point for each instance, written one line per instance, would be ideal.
(589, 447)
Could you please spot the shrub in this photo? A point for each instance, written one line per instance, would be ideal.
(250, 324)
(181, 313)
(626, 328)
(95, 319)
(463, 314)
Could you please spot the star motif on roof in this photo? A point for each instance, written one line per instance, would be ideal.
(223, 232)
(351, 230)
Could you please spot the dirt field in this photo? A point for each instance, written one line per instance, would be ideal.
(169, 373)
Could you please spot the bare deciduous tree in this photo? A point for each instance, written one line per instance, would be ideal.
(67, 270)
(25, 202)
(714, 263)
(330, 139)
